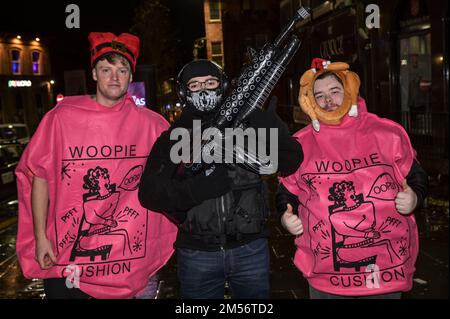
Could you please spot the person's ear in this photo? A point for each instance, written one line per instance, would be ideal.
(131, 78)
(94, 74)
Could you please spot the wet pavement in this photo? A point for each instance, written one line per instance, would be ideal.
(430, 280)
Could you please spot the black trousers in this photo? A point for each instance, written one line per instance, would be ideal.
(55, 288)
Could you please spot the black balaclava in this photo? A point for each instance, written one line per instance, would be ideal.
(203, 101)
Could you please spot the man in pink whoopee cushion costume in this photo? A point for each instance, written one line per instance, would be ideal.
(351, 202)
(81, 227)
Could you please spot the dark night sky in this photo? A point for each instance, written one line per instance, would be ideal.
(69, 47)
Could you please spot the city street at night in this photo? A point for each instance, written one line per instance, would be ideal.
(236, 149)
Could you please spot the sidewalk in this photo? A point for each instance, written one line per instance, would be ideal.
(430, 279)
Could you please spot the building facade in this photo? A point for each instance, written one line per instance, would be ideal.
(232, 26)
(25, 82)
(213, 30)
(402, 63)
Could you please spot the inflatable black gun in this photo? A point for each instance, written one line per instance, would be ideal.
(255, 82)
(257, 79)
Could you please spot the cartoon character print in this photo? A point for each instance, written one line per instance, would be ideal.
(348, 232)
(103, 226)
(356, 241)
(99, 223)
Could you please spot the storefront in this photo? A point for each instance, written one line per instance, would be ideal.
(421, 87)
(26, 87)
(25, 99)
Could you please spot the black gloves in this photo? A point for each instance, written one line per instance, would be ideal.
(268, 118)
(417, 179)
(290, 153)
(216, 184)
(284, 197)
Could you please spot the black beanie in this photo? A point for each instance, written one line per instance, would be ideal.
(200, 68)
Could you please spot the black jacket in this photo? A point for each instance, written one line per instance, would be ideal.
(208, 222)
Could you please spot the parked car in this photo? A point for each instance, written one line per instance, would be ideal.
(9, 158)
(14, 133)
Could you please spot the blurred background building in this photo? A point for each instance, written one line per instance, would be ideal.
(403, 66)
(404, 75)
(25, 79)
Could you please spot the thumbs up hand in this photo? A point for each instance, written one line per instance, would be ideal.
(406, 201)
(291, 222)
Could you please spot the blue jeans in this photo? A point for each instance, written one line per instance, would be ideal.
(151, 290)
(202, 274)
(317, 294)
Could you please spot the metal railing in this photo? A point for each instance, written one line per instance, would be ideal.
(428, 133)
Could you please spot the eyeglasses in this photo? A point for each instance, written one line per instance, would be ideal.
(208, 84)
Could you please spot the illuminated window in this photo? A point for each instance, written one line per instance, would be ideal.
(214, 10)
(15, 61)
(35, 58)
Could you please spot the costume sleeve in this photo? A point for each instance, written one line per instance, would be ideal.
(160, 190)
(159, 126)
(403, 152)
(38, 157)
(418, 180)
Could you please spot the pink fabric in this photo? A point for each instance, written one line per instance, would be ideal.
(115, 242)
(347, 184)
(362, 107)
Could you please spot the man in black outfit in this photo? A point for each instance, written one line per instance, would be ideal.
(221, 216)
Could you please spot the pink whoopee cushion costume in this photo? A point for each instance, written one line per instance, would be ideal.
(355, 242)
(92, 158)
